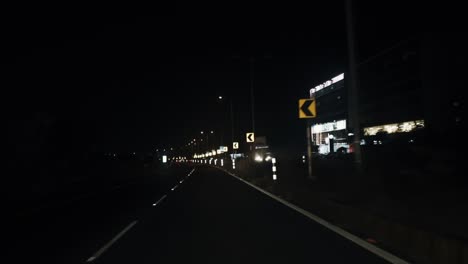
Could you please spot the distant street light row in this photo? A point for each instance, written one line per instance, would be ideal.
(251, 60)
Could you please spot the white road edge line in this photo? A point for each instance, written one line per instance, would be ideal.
(109, 244)
(160, 200)
(360, 242)
(190, 173)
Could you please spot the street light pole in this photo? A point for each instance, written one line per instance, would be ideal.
(206, 141)
(213, 141)
(231, 110)
(232, 120)
(252, 96)
(252, 92)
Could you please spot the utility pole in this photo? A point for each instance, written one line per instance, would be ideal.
(353, 90)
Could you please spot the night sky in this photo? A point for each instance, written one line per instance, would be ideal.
(132, 82)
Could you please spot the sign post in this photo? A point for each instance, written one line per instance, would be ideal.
(307, 110)
(309, 150)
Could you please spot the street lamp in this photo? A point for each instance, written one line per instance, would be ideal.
(252, 98)
(231, 116)
(230, 113)
(208, 138)
(252, 60)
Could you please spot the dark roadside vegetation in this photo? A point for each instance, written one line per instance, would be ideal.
(41, 181)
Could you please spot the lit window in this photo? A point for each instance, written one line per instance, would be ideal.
(407, 126)
(390, 128)
(419, 123)
(372, 131)
(394, 128)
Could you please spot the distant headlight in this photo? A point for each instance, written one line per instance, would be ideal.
(258, 158)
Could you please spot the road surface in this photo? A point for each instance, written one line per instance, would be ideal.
(69, 231)
(212, 217)
(205, 216)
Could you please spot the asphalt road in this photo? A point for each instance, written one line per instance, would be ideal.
(196, 215)
(68, 232)
(212, 217)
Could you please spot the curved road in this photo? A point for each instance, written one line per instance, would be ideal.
(213, 217)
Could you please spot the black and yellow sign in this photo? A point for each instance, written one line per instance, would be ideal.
(307, 108)
(250, 137)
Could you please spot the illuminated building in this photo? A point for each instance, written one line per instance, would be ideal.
(331, 122)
